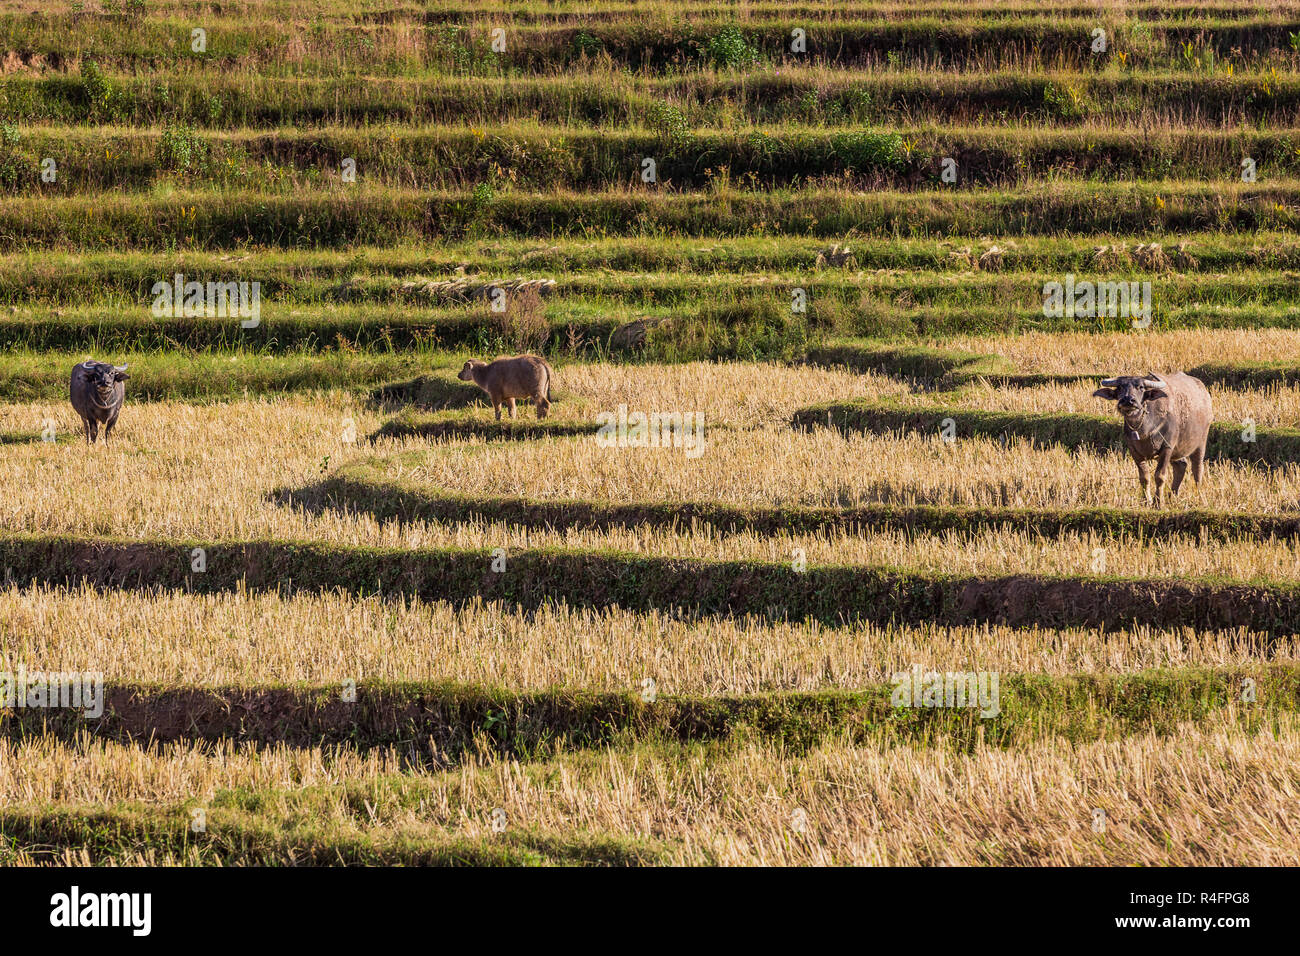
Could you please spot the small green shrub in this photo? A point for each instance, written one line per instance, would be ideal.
(588, 44)
(862, 150)
(12, 162)
(671, 123)
(728, 49)
(1066, 102)
(182, 150)
(858, 104)
(483, 196)
(97, 89)
(755, 329)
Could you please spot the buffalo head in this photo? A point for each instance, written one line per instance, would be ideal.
(1131, 393)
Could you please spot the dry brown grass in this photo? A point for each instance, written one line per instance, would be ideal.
(1271, 407)
(1211, 795)
(992, 553)
(731, 394)
(178, 471)
(1128, 353)
(776, 466)
(263, 639)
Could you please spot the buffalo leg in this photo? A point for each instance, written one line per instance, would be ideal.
(512, 408)
(1162, 474)
(1144, 479)
(92, 431)
(1197, 458)
(1180, 469)
(496, 407)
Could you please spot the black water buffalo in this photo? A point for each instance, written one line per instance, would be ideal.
(1166, 418)
(97, 392)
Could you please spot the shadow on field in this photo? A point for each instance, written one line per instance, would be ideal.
(519, 429)
(932, 369)
(438, 725)
(1268, 447)
(391, 502)
(247, 837)
(928, 370)
(429, 392)
(685, 586)
(63, 437)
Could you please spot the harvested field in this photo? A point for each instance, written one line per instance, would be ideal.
(817, 431)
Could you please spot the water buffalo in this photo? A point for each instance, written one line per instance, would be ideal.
(97, 393)
(506, 379)
(1166, 418)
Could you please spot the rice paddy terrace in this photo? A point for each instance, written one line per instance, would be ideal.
(350, 616)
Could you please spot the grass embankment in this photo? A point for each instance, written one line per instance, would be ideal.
(362, 274)
(531, 158)
(443, 723)
(885, 93)
(332, 218)
(364, 487)
(590, 578)
(1162, 798)
(1227, 441)
(1037, 38)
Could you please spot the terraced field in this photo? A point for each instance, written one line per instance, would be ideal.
(344, 615)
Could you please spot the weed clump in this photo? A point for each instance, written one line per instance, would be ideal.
(729, 49)
(754, 329)
(868, 151)
(181, 149)
(522, 327)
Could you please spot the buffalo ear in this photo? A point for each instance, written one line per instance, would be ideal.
(1150, 393)
(1109, 394)
(120, 376)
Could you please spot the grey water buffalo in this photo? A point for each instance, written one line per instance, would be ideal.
(507, 379)
(1166, 419)
(97, 392)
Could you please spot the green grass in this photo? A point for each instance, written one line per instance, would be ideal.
(372, 329)
(178, 376)
(285, 834)
(462, 720)
(954, 368)
(491, 165)
(1034, 38)
(523, 428)
(369, 359)
(335, 217)
(542, 158)
(1258, 92)
(317, 275)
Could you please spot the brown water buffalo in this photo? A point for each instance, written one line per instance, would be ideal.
(506, 379)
